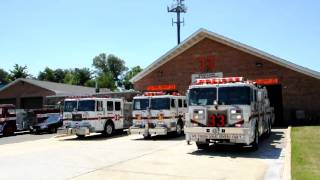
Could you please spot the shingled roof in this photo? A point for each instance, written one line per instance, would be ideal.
(58, 88)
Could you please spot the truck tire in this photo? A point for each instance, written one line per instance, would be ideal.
(268, 133)
(255, 143)
(146, 136)
(8, 131)
(203, 146)
(179, 129)
(80, 136)
(108, 129)
(53, 130)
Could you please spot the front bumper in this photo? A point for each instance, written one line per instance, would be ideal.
(151, 131)
(136, 130)
(158, 131)
(78, 131)
(232, 135)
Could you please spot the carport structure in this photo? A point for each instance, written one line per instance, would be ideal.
(31, 94)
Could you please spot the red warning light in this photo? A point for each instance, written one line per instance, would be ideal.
(269, 81)
(169, 87)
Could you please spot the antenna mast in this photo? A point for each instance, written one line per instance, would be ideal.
(178, 8)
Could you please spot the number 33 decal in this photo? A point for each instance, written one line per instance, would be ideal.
(216, 120)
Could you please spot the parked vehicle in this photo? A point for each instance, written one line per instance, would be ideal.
(227, 110)
(85, 115)
(7, 119)
(158, 113)
(49, 124)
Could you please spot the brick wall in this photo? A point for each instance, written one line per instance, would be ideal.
(299, 91)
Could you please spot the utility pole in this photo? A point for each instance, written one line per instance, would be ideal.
(178, 8)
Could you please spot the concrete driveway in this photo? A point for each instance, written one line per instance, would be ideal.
(131, 157)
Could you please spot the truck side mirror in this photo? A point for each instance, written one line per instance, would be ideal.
(259, 96)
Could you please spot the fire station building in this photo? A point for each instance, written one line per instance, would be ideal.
(294, 91)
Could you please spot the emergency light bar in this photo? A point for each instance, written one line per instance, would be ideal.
(160, 93)
(154, 93)
(168, 87)
(219, 80)
(92, 96)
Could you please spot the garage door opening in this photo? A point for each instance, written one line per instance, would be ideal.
(275, 97)
(31, 103)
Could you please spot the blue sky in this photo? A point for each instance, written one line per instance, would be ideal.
(69, 33)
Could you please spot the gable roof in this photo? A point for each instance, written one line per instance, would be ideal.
(202, 34)
(57, 88)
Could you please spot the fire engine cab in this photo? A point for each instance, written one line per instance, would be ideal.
(7, 119)
(158, 113)
(85, 115)
(227, 110)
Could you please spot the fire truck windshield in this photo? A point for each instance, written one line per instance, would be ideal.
(86, 105)
(202, 96)
(140, 104)
(160, 103)
(227, 96)
(70, 106)
(234, 95)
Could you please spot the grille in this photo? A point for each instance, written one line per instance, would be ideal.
(76, 117)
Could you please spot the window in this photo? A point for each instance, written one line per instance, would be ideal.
(173, 104)
(160, 103)
(86, 105)
(117, 106)
(99, 106)
(234, 95)
(202, 96)
(110, 106)
(185, 103)
(179, 103)
(70, 106)
(140, 104)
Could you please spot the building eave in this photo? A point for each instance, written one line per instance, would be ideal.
(203, 33)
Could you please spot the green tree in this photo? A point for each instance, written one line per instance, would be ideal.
(105, 80)
(18, 72)
(47, 75)
(4, 77)
(59, 75)
(81, 76)
(77, 76)
(130, 74)
(109, 66)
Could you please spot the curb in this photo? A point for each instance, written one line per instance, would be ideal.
(287, 161)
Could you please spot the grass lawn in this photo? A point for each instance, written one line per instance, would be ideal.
(305, 155)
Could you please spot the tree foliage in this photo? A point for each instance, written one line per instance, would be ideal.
(130, 74)
(109, 68)
(4, 77)
(109, 71)
(18, 72)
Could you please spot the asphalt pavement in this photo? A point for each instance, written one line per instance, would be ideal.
(21, 137)
(132, 157)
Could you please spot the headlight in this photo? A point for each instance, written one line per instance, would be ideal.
(198, 114)
(236, 116)
(235, 111)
